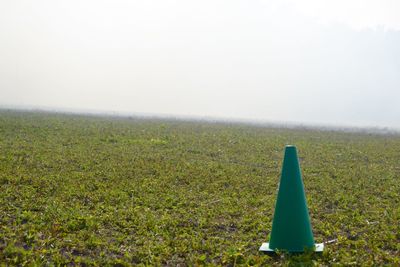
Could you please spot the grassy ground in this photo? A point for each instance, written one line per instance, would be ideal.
(109, 191)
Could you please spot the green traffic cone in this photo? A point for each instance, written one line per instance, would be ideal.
(291, 227)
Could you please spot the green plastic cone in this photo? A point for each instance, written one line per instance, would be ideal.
(291, 227)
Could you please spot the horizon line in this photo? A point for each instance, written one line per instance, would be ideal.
(386, 130)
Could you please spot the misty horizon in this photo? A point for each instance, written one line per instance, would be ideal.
(336, 63)
(349, 128)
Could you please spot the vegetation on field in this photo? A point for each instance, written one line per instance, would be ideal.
(100, 191)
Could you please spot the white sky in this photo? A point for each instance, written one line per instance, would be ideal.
(311, 61)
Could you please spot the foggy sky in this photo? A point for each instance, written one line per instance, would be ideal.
(312, 61)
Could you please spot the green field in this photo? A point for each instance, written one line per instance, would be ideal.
(92, 190)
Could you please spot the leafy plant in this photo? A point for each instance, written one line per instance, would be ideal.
(92, 190)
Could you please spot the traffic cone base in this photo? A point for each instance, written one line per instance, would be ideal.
(265, 248)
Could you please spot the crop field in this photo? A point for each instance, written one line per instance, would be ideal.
(108, 191)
